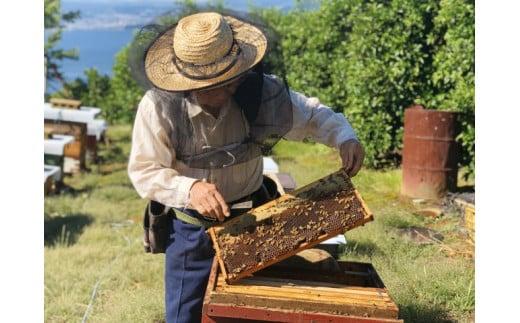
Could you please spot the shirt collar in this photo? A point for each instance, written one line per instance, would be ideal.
(195, 109)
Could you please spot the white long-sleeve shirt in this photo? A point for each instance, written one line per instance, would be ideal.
(157, 175)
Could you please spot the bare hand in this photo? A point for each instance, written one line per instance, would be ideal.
(207, 200)
(352, 155)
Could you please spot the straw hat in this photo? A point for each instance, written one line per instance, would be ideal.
(203, 50)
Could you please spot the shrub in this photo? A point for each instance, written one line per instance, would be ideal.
(454, 65)
(368, 59)
(310, 42)
(373, 59)
(91, 92)
(117, 96)
(386, 68)
(125, 94)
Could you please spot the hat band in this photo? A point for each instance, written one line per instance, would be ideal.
(183, 66)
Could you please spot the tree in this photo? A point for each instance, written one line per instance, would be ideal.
(454, 64)
(372, 59)
(92, 92)
(368, 59)
(125, 93)
(53, 24)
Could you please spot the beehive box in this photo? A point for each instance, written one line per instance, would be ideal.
(49, 186)
(287, 225)
(65, 103)
(469, 220)
(77, 149)
(469, 217)
(285, 294)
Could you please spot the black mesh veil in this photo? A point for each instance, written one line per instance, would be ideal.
(263, 99)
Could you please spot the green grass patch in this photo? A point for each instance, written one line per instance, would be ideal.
(93, 238)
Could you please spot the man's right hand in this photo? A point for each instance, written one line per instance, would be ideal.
(207, 200)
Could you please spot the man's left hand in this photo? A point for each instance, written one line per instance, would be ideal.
(352, 155)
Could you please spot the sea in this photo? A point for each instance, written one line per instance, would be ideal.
(105, 26)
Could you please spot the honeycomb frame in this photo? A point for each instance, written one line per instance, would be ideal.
(283, 227)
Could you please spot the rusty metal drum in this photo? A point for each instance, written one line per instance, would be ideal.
(430, 153)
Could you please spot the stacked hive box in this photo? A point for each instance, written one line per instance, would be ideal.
(75, 150)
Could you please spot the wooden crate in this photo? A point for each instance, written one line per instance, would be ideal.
(91, 143)
(49, 186)
(469, 220)
(65, 103)
(54, 160)
(77, 149)
(284, 294)
(469, 217)
(287, 225)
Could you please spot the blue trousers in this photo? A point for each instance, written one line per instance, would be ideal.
(189, 256)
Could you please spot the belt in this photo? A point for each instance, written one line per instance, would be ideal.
(238, 207)
(178, 214)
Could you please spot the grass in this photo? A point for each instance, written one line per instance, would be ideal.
(93, 238)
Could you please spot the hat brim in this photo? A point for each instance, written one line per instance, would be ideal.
(163, 73)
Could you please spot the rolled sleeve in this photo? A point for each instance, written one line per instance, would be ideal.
(150, 166)
(313, 120)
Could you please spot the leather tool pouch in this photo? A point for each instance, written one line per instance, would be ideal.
(156, 224)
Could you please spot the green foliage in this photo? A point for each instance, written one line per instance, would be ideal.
(368, 59)
(51, 13)
(364, 58)
(124, 93)
(117, 97)
(384, 70)
(53, 19)
(454, 64)
(305, 52)
(91, 92)
(373, 59)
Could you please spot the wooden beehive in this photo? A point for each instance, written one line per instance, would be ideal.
(49, 185)
(287, 225)
(77, 148)
(65, 103)
(469, 217)
(284, 294)
(469, 220)
(91, 146)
